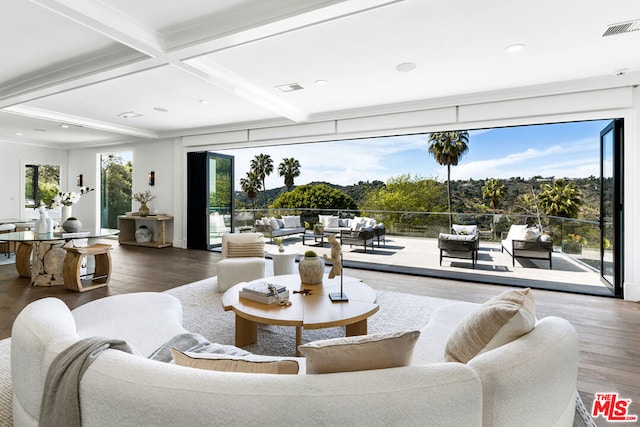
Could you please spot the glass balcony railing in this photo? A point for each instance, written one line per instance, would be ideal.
(578, 239)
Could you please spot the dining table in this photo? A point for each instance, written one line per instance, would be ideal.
(39, 256)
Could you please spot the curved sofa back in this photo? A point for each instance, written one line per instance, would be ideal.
(532, 380)
(129, 389)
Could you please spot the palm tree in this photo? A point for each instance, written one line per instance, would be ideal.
(447, 148)
(262, 166)
(289, 169)
(495, 191)
(562, 199)
(251, 185)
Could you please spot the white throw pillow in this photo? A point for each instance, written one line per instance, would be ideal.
(516, 232)
(274, 224)
(498, 321)
(323, 219)
(357, 223)
(469, 230)
(290, 221)
(531, 234)
(359, 353)
(252, 364)
(333, 221)
(266, 221)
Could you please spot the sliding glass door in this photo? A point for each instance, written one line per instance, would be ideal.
(209, 199)
(611, 206)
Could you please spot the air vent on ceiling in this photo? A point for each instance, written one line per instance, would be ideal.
(290, 87)
(623, 27)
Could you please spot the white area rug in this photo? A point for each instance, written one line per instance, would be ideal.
(203, 314)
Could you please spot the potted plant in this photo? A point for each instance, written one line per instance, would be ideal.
(318, 228)
(143, 199)
(311, 269)
(572, 244)
(278, 241)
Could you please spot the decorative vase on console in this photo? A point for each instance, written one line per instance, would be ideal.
(67, 212)
(143, 199)
(72, 225)
(144, 210)
(143, 234)
(311, 269)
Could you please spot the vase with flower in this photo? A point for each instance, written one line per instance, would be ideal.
(66, 199)
(143, 199)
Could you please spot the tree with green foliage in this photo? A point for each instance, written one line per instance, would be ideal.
(251, 185)
(494, 190)
(262, 166)
(447, 148)
(115, 189)
(314, 196)
(405, 194)
(289, 168)
(561, 199)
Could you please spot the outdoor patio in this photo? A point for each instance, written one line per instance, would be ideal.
(414, 255)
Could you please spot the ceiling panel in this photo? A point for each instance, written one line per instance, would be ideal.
(36, 40)
(163, 87)
(455, 53)
(14, 127)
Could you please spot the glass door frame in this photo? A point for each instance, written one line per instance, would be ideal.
(213, 210)
(615, 155)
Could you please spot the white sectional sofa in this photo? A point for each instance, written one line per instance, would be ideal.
(529, 382)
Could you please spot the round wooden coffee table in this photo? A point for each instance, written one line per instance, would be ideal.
(312, 311)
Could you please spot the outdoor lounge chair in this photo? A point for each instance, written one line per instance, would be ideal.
(360, 237)
(526, 242)
(459, 246)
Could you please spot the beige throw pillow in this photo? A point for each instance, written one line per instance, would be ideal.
(498, 321)
(359, 353)
(252, 364)
(245, 249)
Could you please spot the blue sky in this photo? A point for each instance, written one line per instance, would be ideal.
(559, 150)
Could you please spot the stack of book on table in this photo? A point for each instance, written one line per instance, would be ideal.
(260, 292)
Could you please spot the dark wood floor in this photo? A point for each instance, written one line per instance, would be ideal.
(608, 328)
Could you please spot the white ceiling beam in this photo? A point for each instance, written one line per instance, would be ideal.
(109, 22)
(58, 117)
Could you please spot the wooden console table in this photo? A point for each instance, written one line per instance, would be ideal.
(163, 225)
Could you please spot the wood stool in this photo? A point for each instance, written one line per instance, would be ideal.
(73, 263)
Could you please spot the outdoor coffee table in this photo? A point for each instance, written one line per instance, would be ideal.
(315, 236)
(313, 311)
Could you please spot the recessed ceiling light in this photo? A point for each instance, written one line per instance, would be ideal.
(406, 67)
(290, 87)
(18, 133)
(203, 101)
(129, 115)
(322, 82)
(64, 126)
(160, 109)
(514, 48)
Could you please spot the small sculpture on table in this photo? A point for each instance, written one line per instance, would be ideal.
(336, 268)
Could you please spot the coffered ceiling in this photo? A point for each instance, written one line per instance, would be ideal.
(111, 71)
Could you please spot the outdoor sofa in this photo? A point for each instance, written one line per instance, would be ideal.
(279, 227)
